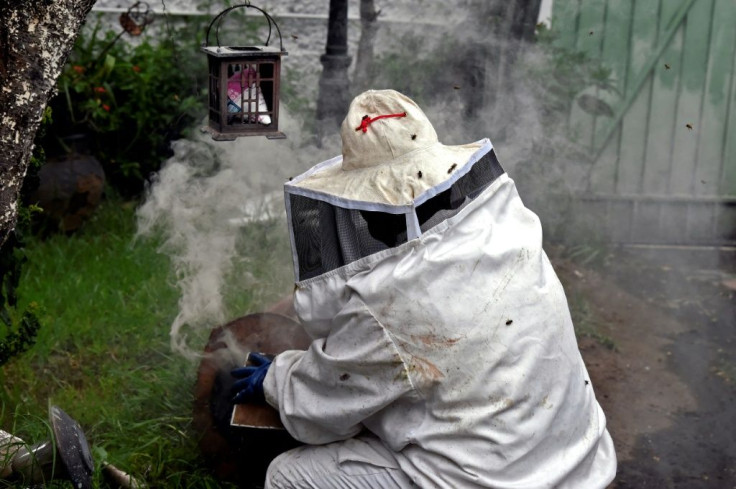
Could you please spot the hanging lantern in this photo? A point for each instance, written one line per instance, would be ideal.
(243, 85)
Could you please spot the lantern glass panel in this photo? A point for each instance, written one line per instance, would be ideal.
(250, 93)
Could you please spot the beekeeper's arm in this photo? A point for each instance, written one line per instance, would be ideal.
(323, 394)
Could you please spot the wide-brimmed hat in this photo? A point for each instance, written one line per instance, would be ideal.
(390, 153)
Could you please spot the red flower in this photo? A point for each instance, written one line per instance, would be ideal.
(100, 90)
(78, 69)
(106, 107)
(136, 68)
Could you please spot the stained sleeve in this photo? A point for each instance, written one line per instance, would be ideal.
(324, 393)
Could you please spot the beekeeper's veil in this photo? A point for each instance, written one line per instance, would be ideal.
(393, 182)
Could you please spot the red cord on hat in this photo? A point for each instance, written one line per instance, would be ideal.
(367, 121)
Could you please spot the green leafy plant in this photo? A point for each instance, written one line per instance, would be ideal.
(21, 337)
(16, 335)
(131, 100)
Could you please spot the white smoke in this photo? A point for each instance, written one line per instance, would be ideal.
(199, 201)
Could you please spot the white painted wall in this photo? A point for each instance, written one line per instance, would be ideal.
(391, 10)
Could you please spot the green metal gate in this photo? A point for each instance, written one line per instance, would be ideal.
(665, 170)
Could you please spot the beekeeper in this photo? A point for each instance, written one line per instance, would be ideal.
(443, 355)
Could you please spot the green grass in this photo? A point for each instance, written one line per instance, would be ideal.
(107, 301)
(587, 324)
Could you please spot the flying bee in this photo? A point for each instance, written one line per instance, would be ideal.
(456, 87)
(689, 126)
(508, 323)
(294, 36)
(590, 33)
(413, 137)
(666, 66)
(419, 174)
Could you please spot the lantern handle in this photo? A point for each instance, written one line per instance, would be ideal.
(219, 18)
(222, 17)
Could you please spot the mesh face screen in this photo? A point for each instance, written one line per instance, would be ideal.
(465, 190)
(327, 237)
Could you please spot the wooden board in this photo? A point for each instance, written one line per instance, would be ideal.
(663, 107)
(695, 53)
(665, 169)
(712, 131)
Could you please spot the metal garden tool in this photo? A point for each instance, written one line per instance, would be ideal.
(39, 463)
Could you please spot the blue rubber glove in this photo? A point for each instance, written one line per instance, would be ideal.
(249, 387)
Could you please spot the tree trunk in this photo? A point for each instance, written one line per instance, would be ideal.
(504, 27)
(334, 84)
(364, 69)
(36, 37)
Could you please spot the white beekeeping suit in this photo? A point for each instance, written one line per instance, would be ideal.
(444, 355)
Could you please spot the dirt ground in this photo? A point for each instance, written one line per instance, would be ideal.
(668, 385)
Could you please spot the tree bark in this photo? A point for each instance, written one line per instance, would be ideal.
(36, 37)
